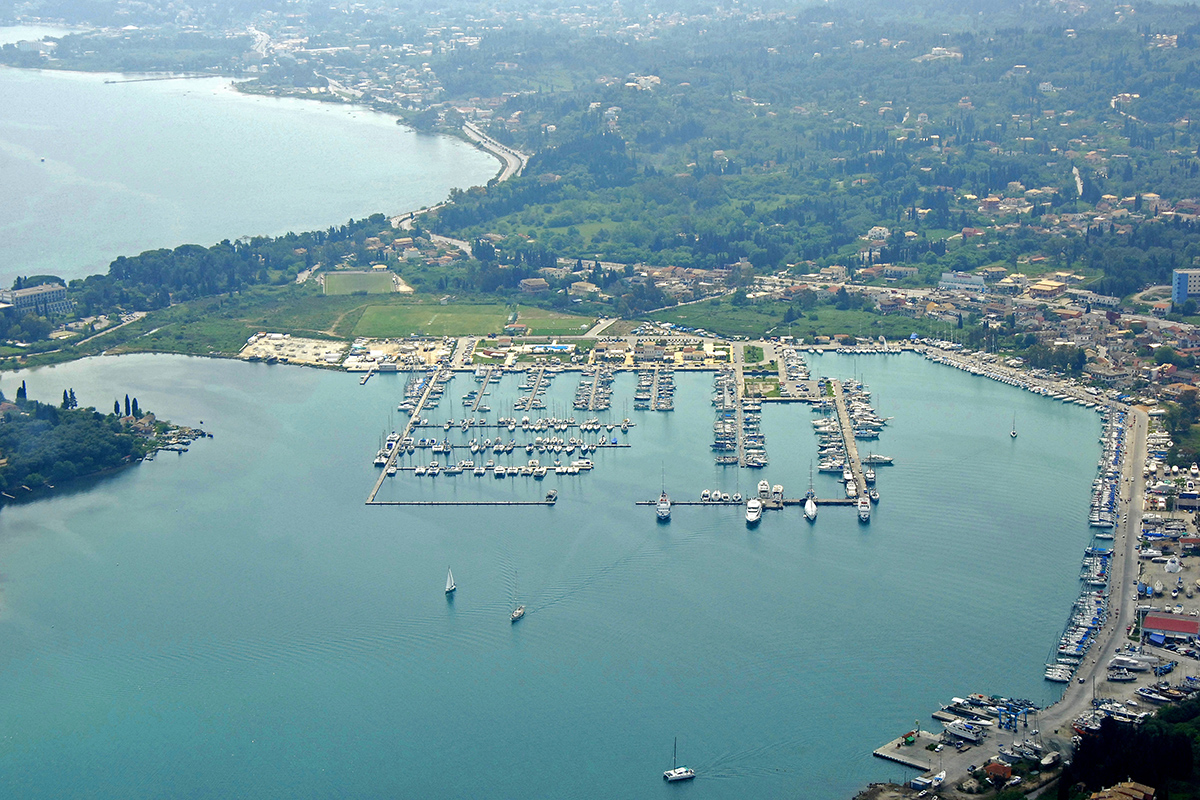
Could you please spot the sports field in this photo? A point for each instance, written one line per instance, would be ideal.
(359, 282)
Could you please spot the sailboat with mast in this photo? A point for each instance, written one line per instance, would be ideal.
(810, 504)
(676, 772)
(1013, 432)
(450, 587)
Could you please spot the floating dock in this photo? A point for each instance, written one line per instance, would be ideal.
(460, 502)
(768, 503)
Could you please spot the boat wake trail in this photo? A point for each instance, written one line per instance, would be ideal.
(508, 571)
(557, 595)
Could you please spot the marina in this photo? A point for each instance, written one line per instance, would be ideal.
(331, 580)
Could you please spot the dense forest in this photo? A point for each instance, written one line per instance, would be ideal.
(43, 444)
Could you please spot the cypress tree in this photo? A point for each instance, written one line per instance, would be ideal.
(127, 411)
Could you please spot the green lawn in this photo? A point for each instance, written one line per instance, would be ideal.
(359, 282)
(432, 320)
(759, 319)
(551, 323)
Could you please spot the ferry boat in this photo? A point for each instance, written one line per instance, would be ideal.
(864, 509)
(516, 615)
(753, 511)
(663, 509)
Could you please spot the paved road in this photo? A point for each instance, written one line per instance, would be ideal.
(514, 161)
(1122, 605)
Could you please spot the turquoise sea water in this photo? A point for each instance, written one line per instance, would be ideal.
(235, 622)
(94, 170)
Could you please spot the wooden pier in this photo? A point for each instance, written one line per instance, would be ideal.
(483, 391)
(526, 403)
(408, 429)
(851, 444)
(768, 504)
(460, 502)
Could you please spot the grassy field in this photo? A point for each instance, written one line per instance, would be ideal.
(463, 320)
(431, 320)
(760, 319)
(358, 282)
(551, 323)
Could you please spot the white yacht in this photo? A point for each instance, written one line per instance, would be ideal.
(663, 509)
(864, 509)
(753, 511)
(965, 730)
(450, 587)
(810, 510)
(764, 490)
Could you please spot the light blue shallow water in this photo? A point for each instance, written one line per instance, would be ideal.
(235, 622)
(95, 170)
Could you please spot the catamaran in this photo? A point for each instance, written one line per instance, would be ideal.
(450, 587)
(676, 772)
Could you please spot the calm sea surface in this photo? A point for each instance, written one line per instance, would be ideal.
(235, 622)
(94, 170)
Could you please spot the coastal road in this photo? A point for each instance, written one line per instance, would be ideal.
(514, 161)
(1122, 605)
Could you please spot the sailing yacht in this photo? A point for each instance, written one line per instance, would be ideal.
(1013, 432)
(676, 772)
(810, 504)
(450, 587)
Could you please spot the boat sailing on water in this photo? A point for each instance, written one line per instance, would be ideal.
(1013, 432)
(516, 615)
(450, 587)
(676, 772)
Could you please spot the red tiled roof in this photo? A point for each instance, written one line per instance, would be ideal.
(1172, 624)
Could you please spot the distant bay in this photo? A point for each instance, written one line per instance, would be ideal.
(93, 170)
